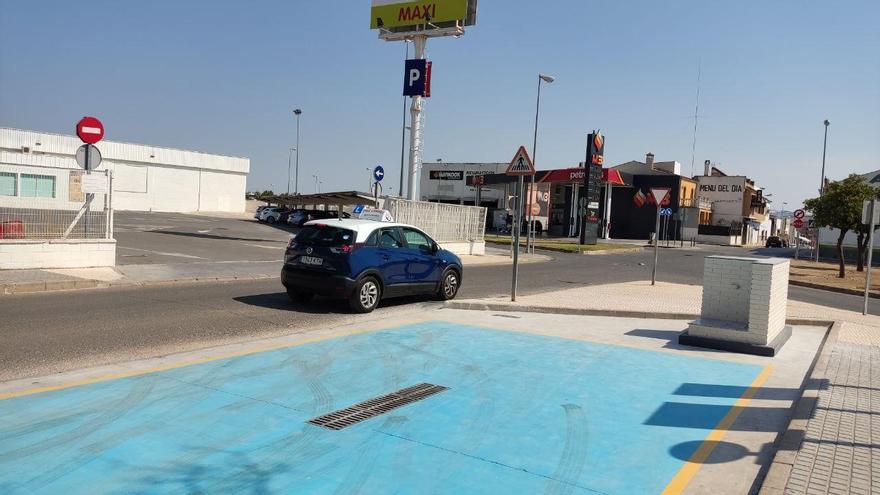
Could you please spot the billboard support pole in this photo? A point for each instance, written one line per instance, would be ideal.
(415, 133)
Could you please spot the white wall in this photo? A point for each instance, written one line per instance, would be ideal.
(68, 253)
(432, 189)
(829, 237)
(145, 178)
(61, 201)
(221, 192)
(726, 196)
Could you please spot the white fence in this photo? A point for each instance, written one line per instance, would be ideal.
(443, 222)
(62, 204)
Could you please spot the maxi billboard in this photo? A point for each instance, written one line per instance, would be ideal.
(397, 13)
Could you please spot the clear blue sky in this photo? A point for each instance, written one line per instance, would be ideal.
(223, 77)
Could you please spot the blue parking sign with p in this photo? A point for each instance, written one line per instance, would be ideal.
(414, 77)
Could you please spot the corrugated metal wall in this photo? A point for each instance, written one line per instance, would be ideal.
(146, 178)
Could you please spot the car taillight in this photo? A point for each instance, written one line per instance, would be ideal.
(341, 250)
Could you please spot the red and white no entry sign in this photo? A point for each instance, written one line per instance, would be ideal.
(90, 130)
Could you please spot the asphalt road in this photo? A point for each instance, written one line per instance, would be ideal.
(45, 333)
(148, 238)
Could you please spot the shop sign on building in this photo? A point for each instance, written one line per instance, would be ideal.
(446, 174)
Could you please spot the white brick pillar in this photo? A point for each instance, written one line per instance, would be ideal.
(744, 306)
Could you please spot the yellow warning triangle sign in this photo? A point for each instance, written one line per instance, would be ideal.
(521, 163)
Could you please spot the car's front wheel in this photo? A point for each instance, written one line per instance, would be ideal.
(449, 286)
(366, 295)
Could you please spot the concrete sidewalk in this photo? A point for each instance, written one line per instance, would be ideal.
(833, 441)
(21, 281)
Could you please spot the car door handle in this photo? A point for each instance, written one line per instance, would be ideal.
(385, 257)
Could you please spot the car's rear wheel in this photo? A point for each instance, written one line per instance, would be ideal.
(270, 219)
(366, 295)
(299, 296)
(449, 286)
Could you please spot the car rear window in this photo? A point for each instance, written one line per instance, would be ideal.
(325, 235)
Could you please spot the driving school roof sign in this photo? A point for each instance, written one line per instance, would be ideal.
(397, 13)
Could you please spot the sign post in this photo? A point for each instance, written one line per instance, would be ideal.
(90, 130)
(869, 217)
(659, 194)
(520, 166)
(798, 224)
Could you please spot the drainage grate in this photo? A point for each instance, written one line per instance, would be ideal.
(343, 418)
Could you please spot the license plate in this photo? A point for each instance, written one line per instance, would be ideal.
(311, 260)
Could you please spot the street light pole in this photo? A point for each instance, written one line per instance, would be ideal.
(296, 112)
(315, 176)
(824, 148)
(289, 155)
(530, 233)
(822, 185)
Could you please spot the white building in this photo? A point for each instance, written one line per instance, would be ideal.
(736, 203)
(145, 178)
(446, 183)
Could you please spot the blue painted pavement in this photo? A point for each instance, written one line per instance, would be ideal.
(524, 414)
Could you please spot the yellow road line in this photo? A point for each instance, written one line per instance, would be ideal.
(690, 468)
(182, 364)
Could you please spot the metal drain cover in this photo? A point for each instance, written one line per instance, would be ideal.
(343, 418)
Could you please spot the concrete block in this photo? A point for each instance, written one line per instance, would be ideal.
(748, 292)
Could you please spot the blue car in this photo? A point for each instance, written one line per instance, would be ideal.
(365, 261)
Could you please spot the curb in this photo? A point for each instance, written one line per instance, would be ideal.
(559, 250)
(499, 306)
(789, 442)
(829, 288)
(26, 287)
(489, 306)
(32, 287)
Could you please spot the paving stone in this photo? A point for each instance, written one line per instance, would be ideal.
(839, 453)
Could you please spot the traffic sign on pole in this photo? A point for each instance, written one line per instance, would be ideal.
(660, 194)
(799, 213)
(798, 223)
(88, 157)
(378, 173)
(90, 130)
(521, 164)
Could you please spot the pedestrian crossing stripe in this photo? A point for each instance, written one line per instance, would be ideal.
(521, 163)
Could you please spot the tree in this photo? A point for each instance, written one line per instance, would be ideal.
(841, 208)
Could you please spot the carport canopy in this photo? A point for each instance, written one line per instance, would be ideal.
(340, 199)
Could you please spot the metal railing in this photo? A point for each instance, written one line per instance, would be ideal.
(699, 202)
(68, 214)
(443, 222)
